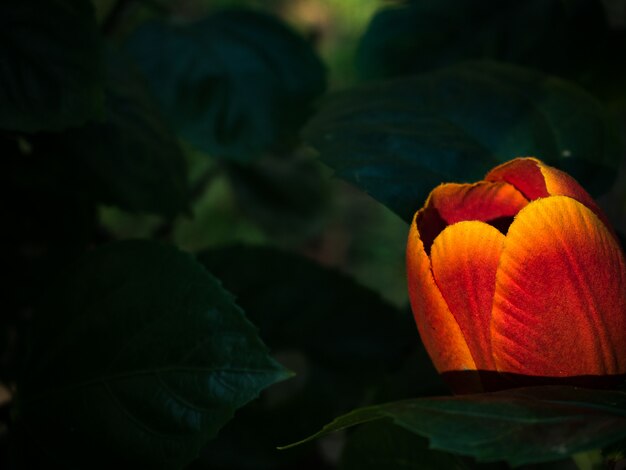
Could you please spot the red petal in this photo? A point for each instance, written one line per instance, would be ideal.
(523, 173)
(560, 300)
(465, 259)
(535, 179)
(440, 333)
(479, 201)
(451, 202)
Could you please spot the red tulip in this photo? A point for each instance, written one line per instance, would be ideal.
(519, 275)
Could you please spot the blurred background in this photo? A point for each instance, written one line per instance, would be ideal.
(293, 203)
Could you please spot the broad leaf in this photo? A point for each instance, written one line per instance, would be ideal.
(51, 72)
(234, 84)
(399, 139)
(564, 37)
(287, 197)
(340, 338)
(139, 357)
(522, 426)
(133, 157)
(384, 445)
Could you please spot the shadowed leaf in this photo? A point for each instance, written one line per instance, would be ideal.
(522, 426)
(384, 445)
(235, 84)
(287, 197)
(398, 139)
(51, 69)
(341, 339)
(139, 357)
(563, 37)
(132, 156)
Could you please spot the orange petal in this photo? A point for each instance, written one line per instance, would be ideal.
(560, 300)
(464, 260)
(523, 173)
(535, 179)
(449, 203)
(439, 330)
(559, 183)
(479, 201)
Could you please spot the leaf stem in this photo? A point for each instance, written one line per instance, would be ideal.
(164, 231)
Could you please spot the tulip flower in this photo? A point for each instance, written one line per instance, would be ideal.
(518, 275)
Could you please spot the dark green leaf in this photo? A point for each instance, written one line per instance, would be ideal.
(234, 84)
(340, 338)
(51, 72)
(133, 157)
(287, 197)
(399, 139)
(139, 357)
(527, 425)
(384, 445)
(294, 303)
(563, 37)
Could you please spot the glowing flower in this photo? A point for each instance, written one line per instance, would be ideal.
(519, 275)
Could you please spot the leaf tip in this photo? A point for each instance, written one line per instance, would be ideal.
(297, 443)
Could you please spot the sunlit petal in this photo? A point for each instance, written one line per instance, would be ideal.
(440, 333)
(523, 173)
(535, 179)
(560, 294)
(478, 201)
(464, 260)
(493, 202)
(559, 183)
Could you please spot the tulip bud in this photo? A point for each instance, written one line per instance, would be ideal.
(516, 280)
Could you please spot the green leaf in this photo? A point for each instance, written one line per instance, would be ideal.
(384, 445)
(399, 139)
(309, 299)
(521, 426)
(287, 197)
(234, 84)
(341, 339)
(132, 157)
(139, 357)
(563, 37)
(51, 73)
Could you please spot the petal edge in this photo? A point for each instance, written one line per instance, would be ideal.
(438, 329)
